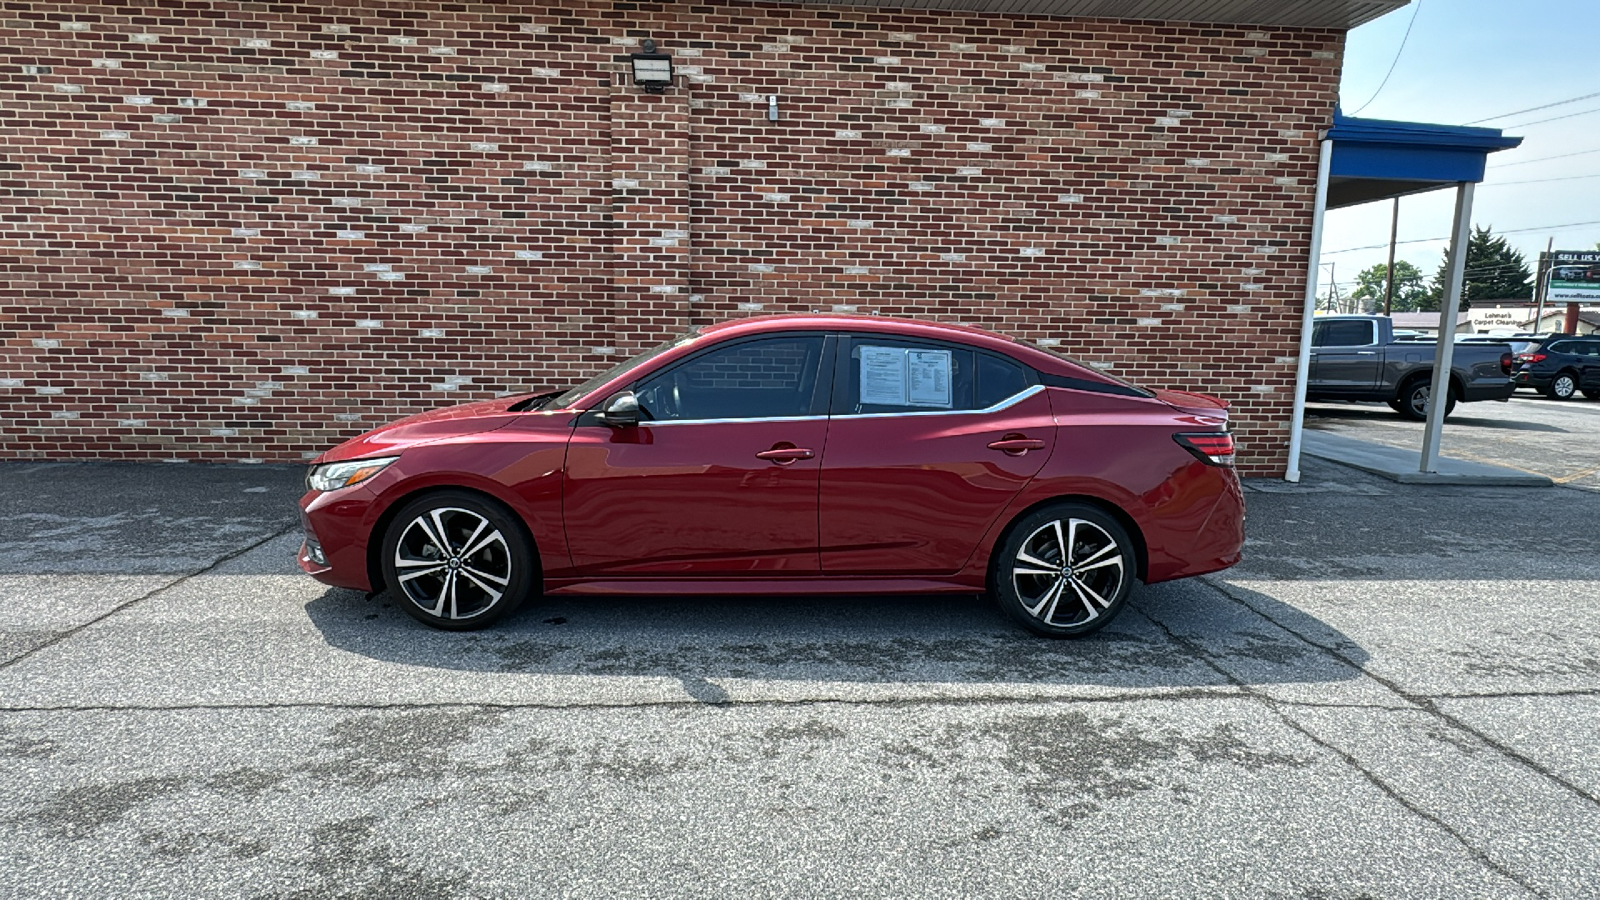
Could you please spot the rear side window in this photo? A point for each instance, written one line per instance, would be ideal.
(1560, 347)
(1342, 333)
(896, 376)
(999, 379)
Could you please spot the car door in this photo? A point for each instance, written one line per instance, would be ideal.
(1345, 357)
(720, 475)
(927, 443)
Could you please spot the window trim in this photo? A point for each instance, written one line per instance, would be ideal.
(1372, 333)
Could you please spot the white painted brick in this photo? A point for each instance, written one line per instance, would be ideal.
(191, 102)
(1166, 121)
(114, 135)
(1033, 67)
(1147, 321)
(252, 173)
(402, 40)
(1161, 292)
(303, 314)
(335, 28)
(774, 48)
(1285, 180)
(897, 86)
(131, 423)
(857, 270)
(953, 257)
(933, 129)
(963, 48)
(969, 170)
(107, 64)
(46, 343)
(1070, 198)
(370, 170)
(255, 43)
(899, 151)
(442, 51)
(246, 264)
(753, 98)
(663, 242)
(324, 54)
(302, 142)
(305, 175)
(1249, 287)
(1174, 307)
(776, 198)
(1032, 251)
(294, 370)
(1237, 308)
(536, 28)
(176, 313)
(545, 72)
(480, 270)
(350, 235)
(482, 147)
(1088, 95)
(152, 376)
(980, 148)
(752, 307)
(413, 229)
(663, 289)
(901, 103)
(1166, 239)
(342, 291)
(680, 233)
(844, 308)
(246, 232)
(847, 135)
(145, 38)
(1048, 342)
(245, 401)
(992, 123)
(761, 268)
(377, 267)
(74, 26)
(431, 332)
(887, 60)
(69, 88)
(687, 51)
(752, 164)
(1255, 51)
(714, 171)
(369, 323)
(536, 166)
(902, 36)
(920, 185)
(494, 87)
(1277, 157)
(1254, 271)
(1324, 54)
(862, 223)
(1225, 220)
(624, 183)
(530, 254)
(603, 351)
(347, 201)
(166, 119)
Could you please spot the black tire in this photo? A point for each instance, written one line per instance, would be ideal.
(1592, 395)
(492, 576)
(1413, 397)
(1054, 603)
(1563, 386)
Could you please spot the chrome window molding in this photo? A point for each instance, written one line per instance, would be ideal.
(1007, 403)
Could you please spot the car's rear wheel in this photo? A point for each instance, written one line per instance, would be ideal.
(1413, 400)
(1064, 571)
(1563, 386)
(1592, 395)
(456, 560)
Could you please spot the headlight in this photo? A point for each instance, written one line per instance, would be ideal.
(332, 476)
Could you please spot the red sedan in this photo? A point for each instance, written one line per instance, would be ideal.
(791, 455)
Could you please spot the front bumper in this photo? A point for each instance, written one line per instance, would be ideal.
(334, 550)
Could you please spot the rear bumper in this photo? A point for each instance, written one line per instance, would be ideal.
(1533, 380)
(1217, 544)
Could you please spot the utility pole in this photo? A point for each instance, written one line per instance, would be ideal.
(1333, 287)
(1388, 281)
(1541, 285)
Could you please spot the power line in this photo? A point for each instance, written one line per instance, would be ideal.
(1540, 180)
(1446, 238)
(1396, 61)
(1523, 162)
(1552, 119)
(1535, 108)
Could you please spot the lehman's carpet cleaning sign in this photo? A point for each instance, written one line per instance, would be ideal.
(1575, 276)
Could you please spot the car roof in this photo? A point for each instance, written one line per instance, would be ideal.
(847, 322)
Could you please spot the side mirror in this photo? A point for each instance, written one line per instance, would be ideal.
(621, 410)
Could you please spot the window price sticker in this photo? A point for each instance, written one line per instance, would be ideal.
(891, 376)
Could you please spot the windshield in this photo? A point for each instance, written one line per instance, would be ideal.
(576, 393)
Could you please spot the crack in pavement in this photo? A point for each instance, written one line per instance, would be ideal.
(78, 629)
(1275, 707)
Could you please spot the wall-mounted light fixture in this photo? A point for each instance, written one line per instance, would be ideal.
(651, 70)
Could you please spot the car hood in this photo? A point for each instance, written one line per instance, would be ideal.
(435, 425)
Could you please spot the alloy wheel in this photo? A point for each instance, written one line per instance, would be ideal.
(452, 563)
(1563, 387)
(1419, 400)
(1068, 572)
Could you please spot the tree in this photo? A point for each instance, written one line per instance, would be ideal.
(1410, 287)
(1494, 271)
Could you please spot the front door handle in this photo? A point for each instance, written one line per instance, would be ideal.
(1366, 353)
(1016, 444)
(785, 455)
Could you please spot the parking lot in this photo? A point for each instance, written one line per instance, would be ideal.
(1557, 439)
(1396, 694)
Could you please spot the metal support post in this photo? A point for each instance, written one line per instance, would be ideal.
(1449, 310)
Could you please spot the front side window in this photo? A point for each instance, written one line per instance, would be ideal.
(762, 379)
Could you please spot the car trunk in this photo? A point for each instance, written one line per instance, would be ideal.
(1194, 404)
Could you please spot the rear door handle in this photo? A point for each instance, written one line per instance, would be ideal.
(784, 456)
(1366, 353)
(1016, 445)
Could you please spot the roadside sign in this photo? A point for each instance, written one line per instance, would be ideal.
(1575, 276)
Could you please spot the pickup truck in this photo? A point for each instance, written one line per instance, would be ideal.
(1359, 358)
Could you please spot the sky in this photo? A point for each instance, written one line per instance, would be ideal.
(1467, 60)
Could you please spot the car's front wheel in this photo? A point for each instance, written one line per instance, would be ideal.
(457, 560)
(1064, 571)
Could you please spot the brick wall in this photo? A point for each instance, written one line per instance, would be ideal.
(246, 231)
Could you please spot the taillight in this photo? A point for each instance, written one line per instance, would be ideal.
(1505, 363)
(1211, 447)
(1530, 357)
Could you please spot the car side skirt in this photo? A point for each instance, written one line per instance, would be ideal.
(789, 586)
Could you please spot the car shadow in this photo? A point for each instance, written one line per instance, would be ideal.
(1183, 635)
(1355, 413)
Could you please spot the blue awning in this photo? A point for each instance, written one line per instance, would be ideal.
(1375, 159)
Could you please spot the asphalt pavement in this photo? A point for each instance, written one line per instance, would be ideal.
(1396, 694)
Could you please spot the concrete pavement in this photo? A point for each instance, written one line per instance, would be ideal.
(1396, 694)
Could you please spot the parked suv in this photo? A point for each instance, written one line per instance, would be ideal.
(1561, 367)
